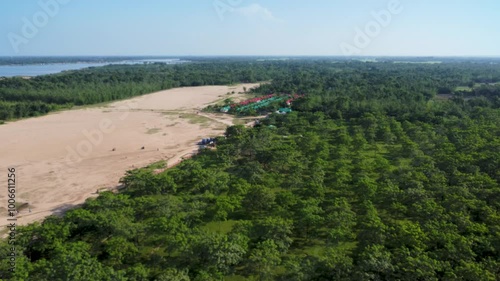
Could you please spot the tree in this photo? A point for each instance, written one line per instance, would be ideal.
(138, 273)
(414, 265)
(275, 229)
(120, 250)
(74, 262)
(224, 206)
(365, 187)
(340, 220)
(259, 199)
(374, 263)
(263, 259)
(216, 253)
(173, 274)
(171, 233)
(309, 217)
(371, 228)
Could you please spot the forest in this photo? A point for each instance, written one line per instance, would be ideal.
(21, 97)
(383, 171)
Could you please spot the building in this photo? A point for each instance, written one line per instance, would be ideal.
(284, 110)
(225, 109)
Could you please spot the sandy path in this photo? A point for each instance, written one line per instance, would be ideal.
(63, 158)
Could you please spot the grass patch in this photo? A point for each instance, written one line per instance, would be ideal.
(153, 131)
(158, 165)
(463, 89)
(169, 113)
(478, 85)
(21, 206)
(316, 250)
(444, 96)
(223, 227)
(196, 119)
(236, 278)
(220, 128)
(239, 121)
(171, 125)
(314, 247)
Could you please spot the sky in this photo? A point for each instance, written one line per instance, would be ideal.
(249, 27)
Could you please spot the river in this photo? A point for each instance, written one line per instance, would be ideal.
(30, 70)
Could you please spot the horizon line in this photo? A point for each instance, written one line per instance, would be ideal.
(279, 56)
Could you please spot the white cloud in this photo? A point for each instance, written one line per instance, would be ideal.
(256, 11)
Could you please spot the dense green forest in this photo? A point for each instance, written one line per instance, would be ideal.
(384, 171)
(331, 81)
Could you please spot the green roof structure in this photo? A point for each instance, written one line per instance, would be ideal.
(285, 110)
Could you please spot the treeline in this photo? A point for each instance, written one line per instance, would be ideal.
(21, 97)
(398, 90)
(77, 59)
(333, 83)
(355, 192)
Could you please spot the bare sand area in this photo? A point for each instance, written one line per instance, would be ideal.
(63, 158)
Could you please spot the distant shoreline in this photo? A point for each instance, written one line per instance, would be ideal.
(34, 69)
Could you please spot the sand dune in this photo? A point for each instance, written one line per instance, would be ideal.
(63, 158)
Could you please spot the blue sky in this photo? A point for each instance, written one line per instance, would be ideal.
(250, 27)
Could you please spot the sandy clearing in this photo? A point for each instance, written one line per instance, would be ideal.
(63, 158)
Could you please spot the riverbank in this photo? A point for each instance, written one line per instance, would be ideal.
(65, 157)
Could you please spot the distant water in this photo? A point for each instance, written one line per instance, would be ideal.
(41, 69)
(51, 68)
